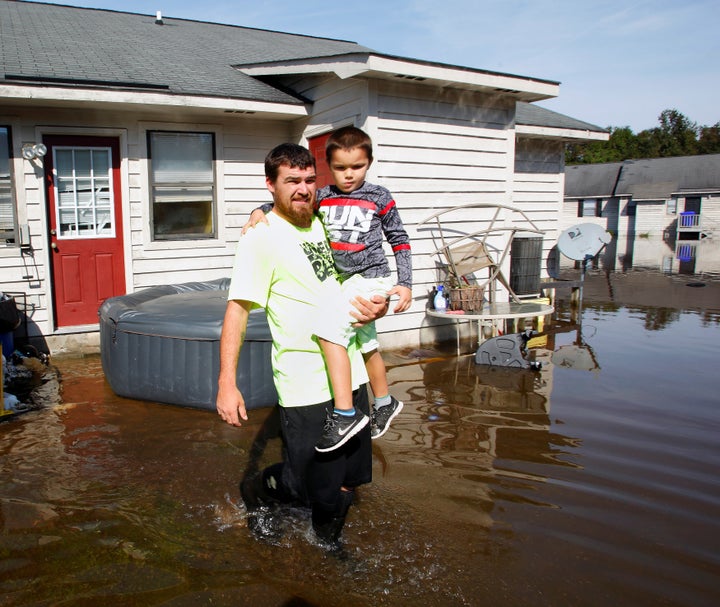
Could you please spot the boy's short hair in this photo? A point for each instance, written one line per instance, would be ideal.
(289, 154)
(347, 138)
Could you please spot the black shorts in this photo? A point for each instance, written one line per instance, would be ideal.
(316, 478)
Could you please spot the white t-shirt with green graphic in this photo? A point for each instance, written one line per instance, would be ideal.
(289, 271)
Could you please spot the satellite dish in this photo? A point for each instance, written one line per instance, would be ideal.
(552, 262)
(583, 241)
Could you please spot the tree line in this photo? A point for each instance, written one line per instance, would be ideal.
(676, 135)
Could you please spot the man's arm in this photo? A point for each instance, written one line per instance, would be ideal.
(230, 402)
(369, 310)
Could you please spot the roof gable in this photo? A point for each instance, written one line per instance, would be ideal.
(425, 73)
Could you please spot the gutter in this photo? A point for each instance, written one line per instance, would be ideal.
(70, 96)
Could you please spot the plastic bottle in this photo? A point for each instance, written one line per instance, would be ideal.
(439, 302)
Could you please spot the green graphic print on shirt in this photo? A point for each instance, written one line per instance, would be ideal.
(321, 259)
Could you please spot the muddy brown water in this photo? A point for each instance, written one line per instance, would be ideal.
(593, 482)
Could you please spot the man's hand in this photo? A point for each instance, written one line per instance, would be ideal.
(230, 405)
(368, 310)
(405, 298)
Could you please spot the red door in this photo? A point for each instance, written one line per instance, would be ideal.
(316, 145)
(82, 175)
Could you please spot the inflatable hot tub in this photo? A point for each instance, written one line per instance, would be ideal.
(162, 344)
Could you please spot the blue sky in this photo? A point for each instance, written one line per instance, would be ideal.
(619, 63)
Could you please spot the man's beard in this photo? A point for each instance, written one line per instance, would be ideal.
(300, 215)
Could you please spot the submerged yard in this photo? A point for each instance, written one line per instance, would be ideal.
(583, 484)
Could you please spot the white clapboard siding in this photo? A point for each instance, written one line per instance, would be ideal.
(433, 152)
(335, 102)
(652, 217)
(538, 186)
(434, 148)
(28, 273)
(242, 144)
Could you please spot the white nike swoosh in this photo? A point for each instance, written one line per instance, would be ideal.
(343, 433)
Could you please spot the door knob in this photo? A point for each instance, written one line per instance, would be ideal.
(54, 246)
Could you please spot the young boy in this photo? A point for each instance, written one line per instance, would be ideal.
(356, 214)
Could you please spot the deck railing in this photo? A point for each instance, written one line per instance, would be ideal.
(689, 221)
(686, 251)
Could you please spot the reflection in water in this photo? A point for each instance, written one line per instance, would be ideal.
(494, 486)
(653, 250)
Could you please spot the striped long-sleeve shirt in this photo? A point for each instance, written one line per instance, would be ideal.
(356, 223)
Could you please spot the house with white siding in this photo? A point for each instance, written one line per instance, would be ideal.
(132, 148)
(662, 211)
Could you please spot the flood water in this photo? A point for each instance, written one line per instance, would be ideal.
(592, 482)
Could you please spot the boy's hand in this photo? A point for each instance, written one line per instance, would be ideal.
(405, 298)
(255, 218)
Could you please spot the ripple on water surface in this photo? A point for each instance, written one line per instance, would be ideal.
(500, 487)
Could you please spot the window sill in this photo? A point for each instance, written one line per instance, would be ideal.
(10, 250)
(174, 245)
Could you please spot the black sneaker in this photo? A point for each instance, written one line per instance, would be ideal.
(339, 429)
(382, 416)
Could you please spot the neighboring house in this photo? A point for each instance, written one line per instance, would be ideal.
(664, 207)
(155, 131)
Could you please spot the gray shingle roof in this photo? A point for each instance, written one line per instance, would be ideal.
(591, 180)
(680, 174)
(647, 179)
(534, 115)
(68, 45)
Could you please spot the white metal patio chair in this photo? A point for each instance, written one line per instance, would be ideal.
(476, 258)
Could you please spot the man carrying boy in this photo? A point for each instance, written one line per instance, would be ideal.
(283, 267)
(356, 215)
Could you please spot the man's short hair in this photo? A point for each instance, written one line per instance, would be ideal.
(289, 154)
(347, 138)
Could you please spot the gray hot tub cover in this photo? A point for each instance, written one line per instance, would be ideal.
(163, 344)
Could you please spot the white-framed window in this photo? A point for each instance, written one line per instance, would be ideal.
(84, 197)
(8, 214)
(671, 206)
(589, 207)
(182, 185)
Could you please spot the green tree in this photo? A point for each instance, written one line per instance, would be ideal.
(676, 135)
(709, 142)
(648, 143)
(621, 145)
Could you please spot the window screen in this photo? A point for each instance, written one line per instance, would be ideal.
(182, 185)
(8, 225)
